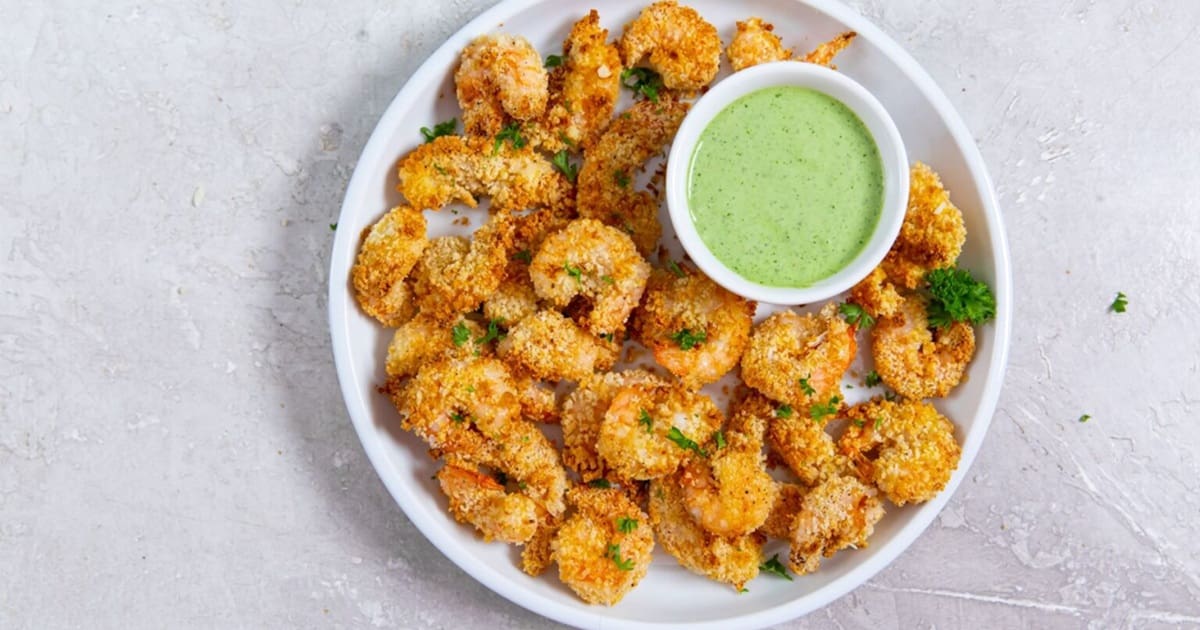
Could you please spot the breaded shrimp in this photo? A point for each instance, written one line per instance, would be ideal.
(733, 560)
(695, 328)
(683, 47)
(876, 294)
(604, 548)
(551, 347)
(793, 435)
(648, 429)
(455, 404)
(932, 235)
(916, 361)
(823, 55)
(596, 262)
(583, 413)
(730, 493)
(799, 360)
(499, 76)
(538, 554)
(606, 181)
(755, 43)
(479, 500)
(424, 338)
(583, 90)
(450, 280)
(389, 252)
(452, 168)
(515, 298)
(789, 498)
(906, 448)
(838, 513)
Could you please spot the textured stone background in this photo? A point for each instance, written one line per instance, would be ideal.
(173, 446)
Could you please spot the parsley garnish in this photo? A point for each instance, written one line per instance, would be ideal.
(775, 566)
(682, 441)
(688, 339)
(958, 297)
(493, 333)
(621, 178)
(674, 268)
(439, 169)
(806, 388)
(643, 81)
(554, 61)
(607, 279)
(626, 524)
(859, 423)
(523, 256)
(608, 337)
(441, 129)
(333, 228)
(512, 133)
(819, 411)
(460, 333)
(645, 420)
(457, 417)
(872, 379)
(614, 552)
(890, 396)
(1117, 306)
(878, 421)
(563, 137)
(563, 163)
(574, 272)
(784, 412)
(719, 438)
(1085, 417)
(855, 315)
(599, 483)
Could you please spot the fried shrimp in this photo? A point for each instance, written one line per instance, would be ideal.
(389, 252)
(877, 294)
(498, 77)
(793, 435)
(695, 328)
(456, 275)
(596, 262)
(683, 47)
(583, 90)
(604, 548)
(452, 403)
(733, 560)
(823, 55)
(906, 448)
(916, 361)
(538, 554)
(479, 500)
(452, 168)
(551, 347)
(649, 430)
(799, 359)
(606, 181)
(730, 492)
(932, 234)
(425, 338)
(789, 498)
(838, 513)
(583, 413)
(755, 43)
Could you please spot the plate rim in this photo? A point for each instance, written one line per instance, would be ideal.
(340, 306)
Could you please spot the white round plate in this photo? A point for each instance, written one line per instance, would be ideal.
(669, 596)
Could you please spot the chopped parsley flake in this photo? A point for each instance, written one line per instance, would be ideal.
(607, 279)
(1117, 306)
(819, 411)
(859, 423)
(457, 417)
(645, 420)
(806, 388)
(614, 552)
(599, 483)
(958, 297)
(574, 272)
(878, 423)
(441, 129)
(626, 524)
(562, 162)
(523, 256)
(1085, 417)
(784, 411)
(622, 178)
(719, 438)
(855, 315)
(460, 333)
(554, 61)
(872, 379)
(688, 339)
(493, 333)
(685, 443)
(775, 566)
(608, 337)
(333, 228)
(512, 134)
(643, 81)
(674, 268)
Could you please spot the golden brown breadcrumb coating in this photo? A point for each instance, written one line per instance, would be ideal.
(604, 548)
(932, 235)
(683, 47)
(905, 448)
(839, 512)
(823, 55)
(499, 78)
(549, 346)
(583, 413)
(387, 255)
(799, 359)
(755, 43)
(915, 360)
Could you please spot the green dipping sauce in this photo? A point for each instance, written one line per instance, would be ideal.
(785, 186)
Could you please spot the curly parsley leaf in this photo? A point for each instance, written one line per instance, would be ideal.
(855, 315)
(1118, 304)
(958, 297)
(446, 128)
(687, 339)
(820, 410)
(512, 134)
(643, 81)
(775, 566)
(460, 334)
(684, 442)
(562, 162)
(626, 524)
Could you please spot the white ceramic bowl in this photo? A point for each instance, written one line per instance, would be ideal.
(836, 85)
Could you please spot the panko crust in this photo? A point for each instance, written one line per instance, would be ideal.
(458, 275)
(915, 360)
(583, 413)
(788, 347)
(839, 512)
(634, 437)
(932, 235)
(425, 338)
(823, 55)
(876, 294)
(789, 498)
(499, 77)
(802, 443)
(682, 46)
(477, 499)
(905, 448)
(390, 250)
(755, 43)
(596, 558)
(551, 347)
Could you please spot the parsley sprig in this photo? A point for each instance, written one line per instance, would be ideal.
(643, 81)
(562, 162)
(855, 315)
(820, 410)
(446, 128)
(806, 388)
(688, 339)
(554, 61)
(512, 134)
(958, 297)
(460, 334)
(775, 566)
(493, 333)
(684, 442)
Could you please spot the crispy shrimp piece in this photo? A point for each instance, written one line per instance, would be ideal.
(731, 560)
(453, 279)
(683, 47)
(877, 294)
(906, 448)
(499, 76)
(647, 429)
(604, 548)
(799, 359)
(538, 554)
(583, 90)
(515, 298)
(480, 500)
(755, 43)
(606, 181)
(695, 328)
(932, 235)
(452, 168)
(823, 55)
(389, 252)
(730, 493)
(789, 498)
(453, 402)
(916, 361)
(840, 512)
(583, 413)
(551, 347)
(523, 452)
(793, 435)
(424, 338)
(599, 263)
